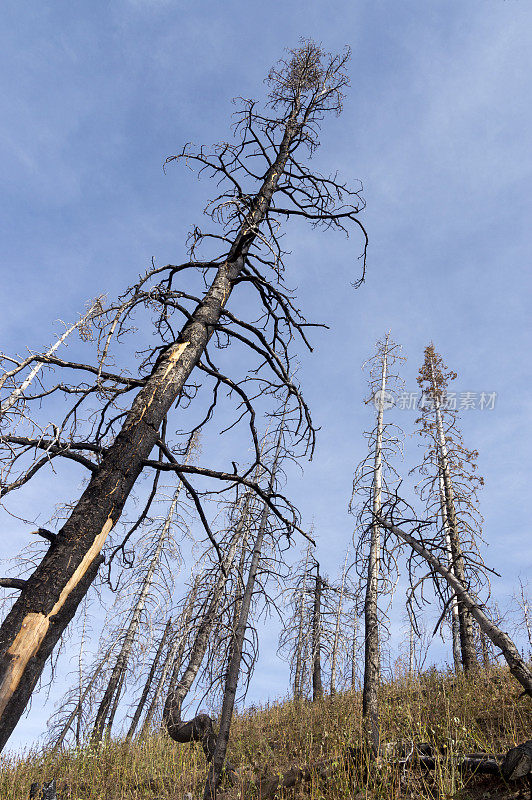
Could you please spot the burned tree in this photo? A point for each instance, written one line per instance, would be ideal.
(201, 613)
(432, 553)
(161, 541)
(236, 648)
(371, 487)
(294, 640)
(313, 637)
(449, 487)
(263, 181)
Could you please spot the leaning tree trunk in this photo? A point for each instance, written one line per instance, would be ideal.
(467, 641)
(518, 666)
(51, 595)
(233, 671)
(372, 670)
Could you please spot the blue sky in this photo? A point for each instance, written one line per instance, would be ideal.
(437, 126)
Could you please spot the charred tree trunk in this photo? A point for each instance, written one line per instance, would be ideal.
(51, 595)
(518, 667)
(317, 686)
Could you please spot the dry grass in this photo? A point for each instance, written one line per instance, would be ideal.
(454, 715)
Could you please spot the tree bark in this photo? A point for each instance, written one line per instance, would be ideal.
(299, 652)
(370, 693)
(53, 592)
(317, 686)
(334, 656)
(518, 667)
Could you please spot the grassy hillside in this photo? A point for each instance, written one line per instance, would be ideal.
(456, 717)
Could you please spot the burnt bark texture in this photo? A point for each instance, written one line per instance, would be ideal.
(317, 684)
(303, 88)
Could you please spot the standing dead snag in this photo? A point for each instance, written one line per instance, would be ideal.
(237, 643)
(179, 687)
(450, 490)
(262, 179)
(371, 485)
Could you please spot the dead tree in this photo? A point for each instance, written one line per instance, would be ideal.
(317, 685)
(237, 644)
(9, 378)
(450, 490)
(294, 639)
(371, 487)
(109, 702)
(205, 621)
(262, 180)
(524, 606)
(149, 679)
(426, 548)
(337, 628)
